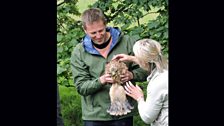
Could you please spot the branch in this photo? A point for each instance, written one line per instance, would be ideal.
(117, 12)
(60, 23)
(138, 21)
(61, 3)
(149, 13)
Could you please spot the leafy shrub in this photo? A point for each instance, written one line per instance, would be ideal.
(138, 121)
(70, 106)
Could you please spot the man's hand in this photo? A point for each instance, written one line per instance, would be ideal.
(106, 78)
(127, 76)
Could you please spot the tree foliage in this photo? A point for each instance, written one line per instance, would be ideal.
(69, 33)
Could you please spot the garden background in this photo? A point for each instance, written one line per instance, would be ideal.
(138, 18)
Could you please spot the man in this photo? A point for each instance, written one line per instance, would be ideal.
(88, 61)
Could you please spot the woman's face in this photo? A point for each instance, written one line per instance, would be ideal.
(143, 63)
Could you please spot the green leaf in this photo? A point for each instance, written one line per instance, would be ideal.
(124, 27)
(152, 25)
(159, 29)
(59, 49)
(159, 34)
(135, 1)
(165, 35)
(59, 37)
(60, 70)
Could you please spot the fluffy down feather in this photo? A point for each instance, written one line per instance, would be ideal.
(119, 103)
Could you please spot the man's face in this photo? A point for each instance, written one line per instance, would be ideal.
(97, 31)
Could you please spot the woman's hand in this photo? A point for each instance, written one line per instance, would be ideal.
(134, 91)
(124, 57)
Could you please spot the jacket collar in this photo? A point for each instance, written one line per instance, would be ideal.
(88, 46)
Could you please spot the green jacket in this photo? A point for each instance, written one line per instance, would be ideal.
(88, 65)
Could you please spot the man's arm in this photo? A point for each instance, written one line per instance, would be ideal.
(139, 74)
(85, 84)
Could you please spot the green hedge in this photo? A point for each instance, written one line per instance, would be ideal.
(70, 106)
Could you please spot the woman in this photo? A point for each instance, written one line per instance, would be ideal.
(153, 110)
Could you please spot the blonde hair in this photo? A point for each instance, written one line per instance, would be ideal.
(149, 51)
(91, 15)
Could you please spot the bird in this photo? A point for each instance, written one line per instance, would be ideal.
(119, 104)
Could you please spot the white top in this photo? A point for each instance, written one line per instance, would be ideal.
(154, 110)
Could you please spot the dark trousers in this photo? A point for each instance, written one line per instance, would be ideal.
(122, 122)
